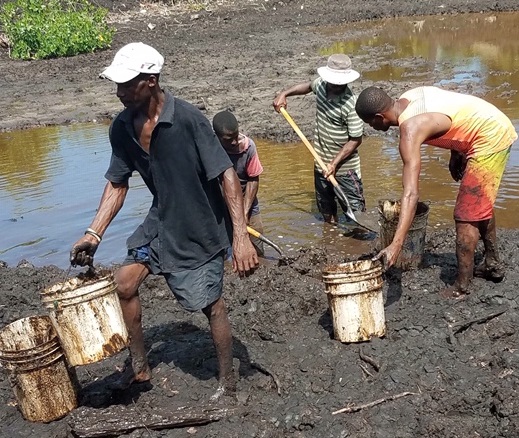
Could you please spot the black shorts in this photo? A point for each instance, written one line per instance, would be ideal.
(325, 196)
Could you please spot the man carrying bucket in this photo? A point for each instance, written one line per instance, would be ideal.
(186, 233)
(479, 137)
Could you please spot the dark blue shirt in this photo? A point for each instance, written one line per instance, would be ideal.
(188, 221)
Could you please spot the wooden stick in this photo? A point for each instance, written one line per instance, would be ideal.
(363, 368)
(369, 360)
(115, 420)
(356, 408)
(267, 371)
(458, 328)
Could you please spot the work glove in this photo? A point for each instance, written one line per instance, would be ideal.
(82, 253)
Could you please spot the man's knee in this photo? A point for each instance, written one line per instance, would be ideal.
(216, 309)
(128, 279)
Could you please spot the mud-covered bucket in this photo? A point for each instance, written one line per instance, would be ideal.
(87, 316)
(356, 301)
(412, 252)
(43, 384)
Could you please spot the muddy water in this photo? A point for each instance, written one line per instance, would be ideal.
(470, 52)
(51, 178)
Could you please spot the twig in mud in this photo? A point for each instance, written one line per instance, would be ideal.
(369, 360)
(140, 416)
(363, 368)
(458, 328)
(267, 372)
(452, 338)
(356, 408)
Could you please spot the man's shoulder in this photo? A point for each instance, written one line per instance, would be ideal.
(187, 109)
(118, 123)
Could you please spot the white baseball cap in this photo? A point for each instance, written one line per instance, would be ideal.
(131, 60)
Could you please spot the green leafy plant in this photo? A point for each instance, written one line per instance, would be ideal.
(39, 29)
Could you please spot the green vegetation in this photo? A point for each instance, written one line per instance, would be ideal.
(39, 29)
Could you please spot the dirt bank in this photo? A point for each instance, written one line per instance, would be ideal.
(463, 378)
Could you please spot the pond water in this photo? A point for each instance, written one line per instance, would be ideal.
(51, 179)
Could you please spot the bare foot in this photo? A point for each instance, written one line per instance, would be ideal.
(226, 387)
(455, 292)
(493, 272)
(128, 377)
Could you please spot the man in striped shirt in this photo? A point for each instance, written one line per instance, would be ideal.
(338, 134)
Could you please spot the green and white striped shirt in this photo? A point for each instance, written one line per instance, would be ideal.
(336, 121)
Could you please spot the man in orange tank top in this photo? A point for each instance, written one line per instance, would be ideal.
(479, 137)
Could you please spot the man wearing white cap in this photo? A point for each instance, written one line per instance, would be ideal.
(338, 134)
(187, 231)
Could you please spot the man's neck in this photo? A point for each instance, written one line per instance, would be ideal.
(398, 108)
(153, 109)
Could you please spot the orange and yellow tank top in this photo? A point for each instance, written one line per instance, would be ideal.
(478, 127)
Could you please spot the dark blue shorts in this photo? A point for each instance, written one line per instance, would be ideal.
(194, 289)
(325, 196)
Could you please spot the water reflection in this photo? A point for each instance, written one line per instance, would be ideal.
(51, 180)
(41, 219)
(472, 49)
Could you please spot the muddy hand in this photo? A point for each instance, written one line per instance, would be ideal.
(82, 253)
(245, 259)
(279, 101)
(387, 256)
(330, 171)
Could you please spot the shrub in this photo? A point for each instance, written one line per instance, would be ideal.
(39, 29)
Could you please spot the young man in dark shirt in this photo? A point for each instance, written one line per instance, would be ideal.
(244, 156)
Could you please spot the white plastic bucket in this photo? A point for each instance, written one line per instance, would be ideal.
(43, 384)
(87, 317)
(356, 301)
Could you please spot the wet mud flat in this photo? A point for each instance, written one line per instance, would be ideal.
(457, 359)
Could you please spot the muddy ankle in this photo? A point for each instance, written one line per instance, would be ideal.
(129, 376)
(226, 388)
(229, 383)
(455, 291)
(490, 271)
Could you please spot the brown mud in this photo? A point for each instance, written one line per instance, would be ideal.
(458, 360)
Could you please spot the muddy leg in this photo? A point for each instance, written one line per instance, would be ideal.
(491, 268)
(467, 236)
(128, 279)
(330, 218)
(222, 337)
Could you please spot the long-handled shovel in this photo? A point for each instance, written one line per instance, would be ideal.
(269, 242)
(338, 190)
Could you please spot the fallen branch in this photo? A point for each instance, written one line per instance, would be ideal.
(363, 368)
(458, 328)
(116, 420)
(452, 338)
(369, 360)
(267, 372)
(356, 408)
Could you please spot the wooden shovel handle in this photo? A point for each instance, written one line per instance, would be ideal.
(309, 146)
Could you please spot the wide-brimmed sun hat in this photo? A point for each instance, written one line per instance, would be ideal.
(131, 60)
(338, 70)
